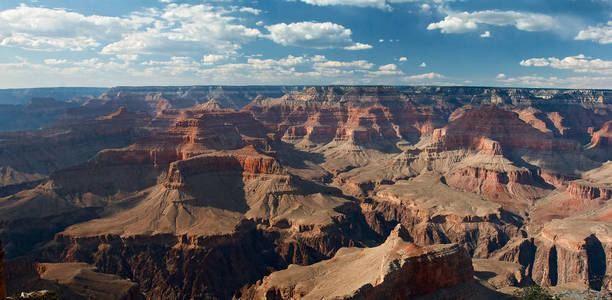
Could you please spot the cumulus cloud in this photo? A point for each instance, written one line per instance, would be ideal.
(601, 33)
(186, 29)
(459, 22)
(486, 34)
(578, 63)
(500, 76)
(423, 65)
(305, 69)
(314, 35)
(381, 4)
(403, 58)
(423, 77)
(249, 10)
(213, 58)
(38, 28)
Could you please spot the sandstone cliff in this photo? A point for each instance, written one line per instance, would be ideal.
(396, 269)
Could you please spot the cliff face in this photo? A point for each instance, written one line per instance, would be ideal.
(191, 199)
(2, 274)
(360, 116)
(30, 156)
(395, 269)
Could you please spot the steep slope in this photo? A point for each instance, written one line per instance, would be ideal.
(32, 155)
(394, 270)
(67, 281)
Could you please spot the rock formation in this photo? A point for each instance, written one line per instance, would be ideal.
(2, 274)
(396, 269)
(213, 192)
(66, 281)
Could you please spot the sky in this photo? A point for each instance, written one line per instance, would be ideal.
(519, 43)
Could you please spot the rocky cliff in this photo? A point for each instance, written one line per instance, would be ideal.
(396, 269)
(2, 274)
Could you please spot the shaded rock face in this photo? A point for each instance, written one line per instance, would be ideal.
(394, 270)
(192, 199)
(30, 156)
(2, 274)
(603, 137)
(32, 280)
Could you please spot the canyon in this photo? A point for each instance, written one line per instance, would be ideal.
(326, 192)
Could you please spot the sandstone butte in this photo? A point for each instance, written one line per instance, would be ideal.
(315, 192)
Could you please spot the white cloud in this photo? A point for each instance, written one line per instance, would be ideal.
(578, 63)
(585, 82)
(403, 58)
(423, 65)
(357, 64)
(250, 10)
(389, 67)
(601, 33)
(53, 61)
(127, 57)
(42, 43)
(486, 34)
(314, 35)
(38, 28)
(423, 77)
(213, 58)
(386, 70)
(184, 70)
(358, 46)
(185, 29)
(459, 22)
(500, 76)
(381, 4)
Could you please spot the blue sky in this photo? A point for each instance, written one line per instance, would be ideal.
(553, 43)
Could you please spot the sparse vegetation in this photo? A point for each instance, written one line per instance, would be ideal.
(534, 292)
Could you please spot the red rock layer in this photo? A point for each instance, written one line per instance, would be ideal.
(603, 137)
(514, 188)
(583, 191)
(502, 126)
(246, 161)
(359, 116)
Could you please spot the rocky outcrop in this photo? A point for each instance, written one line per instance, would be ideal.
(602, 137)
(394, 270)
(29, 156)
(515, 188)
(434, 213)
(573, 251)
(502, 126)
(2, 274)
(500, 274)
(66, 281)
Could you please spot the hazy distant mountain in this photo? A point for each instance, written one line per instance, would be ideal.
(21, 96)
